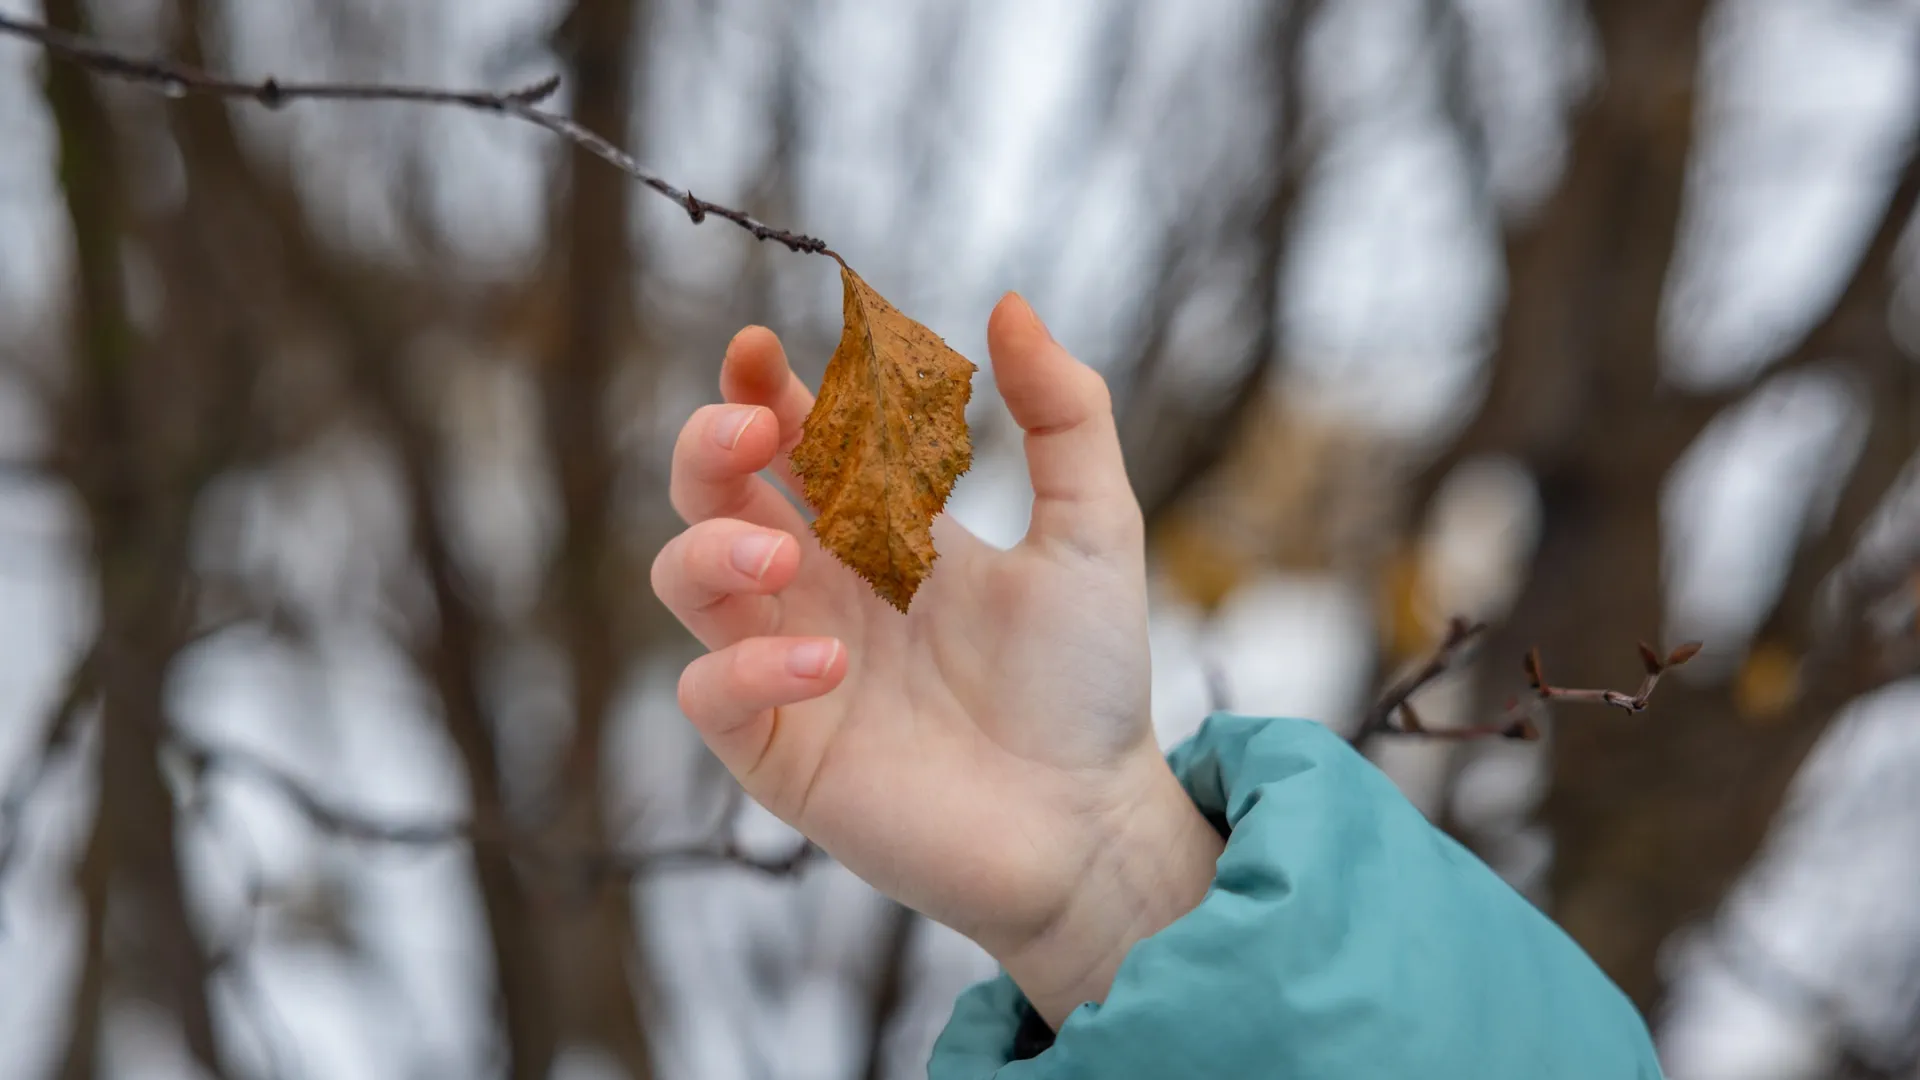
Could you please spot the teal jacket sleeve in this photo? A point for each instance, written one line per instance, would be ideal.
(1343, 938)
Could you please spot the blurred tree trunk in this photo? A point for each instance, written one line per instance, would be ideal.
(369, 310)
(1576, 395)
(146, 418)
(1652, 816)
(594, 954)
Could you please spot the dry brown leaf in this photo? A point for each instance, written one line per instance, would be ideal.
(885, 442)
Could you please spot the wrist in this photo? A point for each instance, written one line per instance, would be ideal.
(1153, 861)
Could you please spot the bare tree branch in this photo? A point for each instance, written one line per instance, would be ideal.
(1831, 582)
(592, 864)
(1379, 719)
(180, 80)
(1857, 320)
(1201, 440)
(136, 477)
(1394, 714)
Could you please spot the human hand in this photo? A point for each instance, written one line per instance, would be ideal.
(987, 758)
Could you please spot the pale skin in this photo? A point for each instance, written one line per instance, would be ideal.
(987, 758)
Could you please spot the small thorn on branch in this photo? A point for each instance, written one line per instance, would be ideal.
(535, 93)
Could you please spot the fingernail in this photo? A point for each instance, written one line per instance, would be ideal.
(733, 423)
(811, 659)
(752, 554)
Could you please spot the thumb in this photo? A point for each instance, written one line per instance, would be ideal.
(1081, 496)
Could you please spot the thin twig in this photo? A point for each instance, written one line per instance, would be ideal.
(176, 80)
(1394, 714)
(1634, 702)
(594, 865)
(1460, 633)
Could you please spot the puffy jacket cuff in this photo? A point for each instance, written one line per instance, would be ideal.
(1342, 936)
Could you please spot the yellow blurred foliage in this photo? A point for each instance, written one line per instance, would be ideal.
(1200, 563)
(1768, 683)
(1300, 491)
(1407, 628)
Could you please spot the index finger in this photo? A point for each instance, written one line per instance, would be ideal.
(755, 372)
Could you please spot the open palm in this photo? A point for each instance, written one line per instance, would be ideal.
(968, 757)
